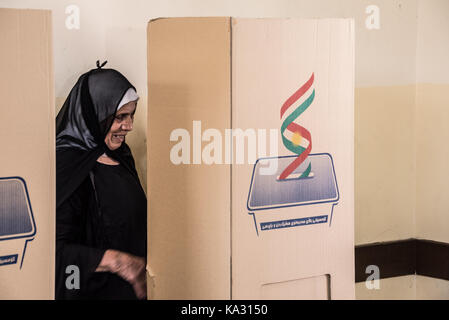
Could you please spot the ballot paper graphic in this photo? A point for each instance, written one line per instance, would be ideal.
(17, 225)
(277, 204)
(304, 189)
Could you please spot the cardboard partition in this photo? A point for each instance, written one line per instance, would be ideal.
(27, 162)
(251, 158)
(189, 205)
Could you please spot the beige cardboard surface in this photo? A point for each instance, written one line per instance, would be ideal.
(28, 151)
(197, 247)
(272, 58)
(189, 208)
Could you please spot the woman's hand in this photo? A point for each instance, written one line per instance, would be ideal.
(127, 266)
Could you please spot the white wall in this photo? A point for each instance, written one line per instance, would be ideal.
(116, 30)
(430, 135)
(432, 52)
(432, 121)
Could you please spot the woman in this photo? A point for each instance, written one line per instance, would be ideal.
(101, 206)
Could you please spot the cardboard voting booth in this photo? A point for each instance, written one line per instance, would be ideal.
(250, 150)
(27, 170)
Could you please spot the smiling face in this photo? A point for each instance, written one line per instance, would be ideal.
(123, 123)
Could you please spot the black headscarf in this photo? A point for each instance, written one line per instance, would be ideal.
(82, 125)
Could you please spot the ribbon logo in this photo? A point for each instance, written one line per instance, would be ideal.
(296, 138)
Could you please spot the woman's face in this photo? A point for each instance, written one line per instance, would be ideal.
(123, 123)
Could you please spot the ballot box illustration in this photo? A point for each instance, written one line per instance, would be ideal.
(278, 204)
(17, 225)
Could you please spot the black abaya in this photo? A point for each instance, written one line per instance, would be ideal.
(115, 219)
(98, 207)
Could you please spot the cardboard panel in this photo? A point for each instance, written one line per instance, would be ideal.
(317, 287)
(27, 162)
(303, 227)
(189, 204)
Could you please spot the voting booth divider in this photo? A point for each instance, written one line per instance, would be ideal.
(251, 158)
(27, 171)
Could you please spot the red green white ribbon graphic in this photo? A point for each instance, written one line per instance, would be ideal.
(297, 132)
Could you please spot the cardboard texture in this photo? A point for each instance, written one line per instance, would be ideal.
(280, 224)
(27, 170)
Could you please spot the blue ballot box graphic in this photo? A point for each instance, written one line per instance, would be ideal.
(293, 202)
(17, 225)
